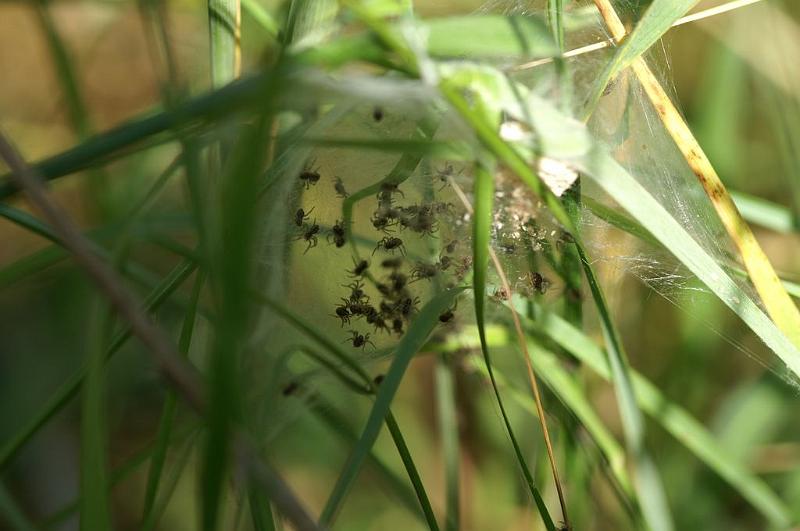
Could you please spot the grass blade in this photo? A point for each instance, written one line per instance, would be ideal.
(484, 196)
(412, 341)
(165, 427)
(777, 302)
(11, 513)
(449, 430)
(411, 468)
(678, 422)
(656, 21)
(224, 28)
(338, 424)
(73, 384)
(95, 509)
(261, 16)
(260, 510)
(489, 36)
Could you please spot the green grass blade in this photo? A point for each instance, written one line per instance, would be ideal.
(338, 424)
(365, 387)
(224, 27)
(677, 421)
(409, 345)
(121, 473)
(168, 412)
(95, 509)
(481, 226)
(11, 514)
(411, 468)
(73, 384)
(232, 275)
(489, 36)
(648, 483)
(633, 197)
(260, 510)
(655, 22)
(555, 16)
(261, 16)
(449, 430)
(766, 213)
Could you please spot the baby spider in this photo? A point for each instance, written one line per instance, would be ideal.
(359, 340)
(301, 216)
(399, 281)
(343, 313)
(390, 243)
(338, 185)
(359, 268)
(357, 292)
(377, 114)
(444, 263)
(500, 294)
(538, 282)
(397, 326)
(407, 306)
(309, 177)
(446, 173)
(337, 233)
(309, 234)
(290, 388)
(381, 221)
(446, 316)
(424, 271)
(451, 247)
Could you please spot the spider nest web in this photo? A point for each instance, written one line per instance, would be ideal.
(315, 275)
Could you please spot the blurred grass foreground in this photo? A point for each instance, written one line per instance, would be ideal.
(384, 264)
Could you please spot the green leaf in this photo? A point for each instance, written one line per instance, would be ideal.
(409, 345)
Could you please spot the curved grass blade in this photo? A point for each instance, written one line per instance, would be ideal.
(347, 361)
(168, 412)
(672, 417)
(117, 476)
(648, 483)
(338, 424)
(409, 345)
(484, 197)
(411, 468)
(572, 143)
(71, 387)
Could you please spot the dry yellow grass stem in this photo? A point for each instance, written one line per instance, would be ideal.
(776, 301)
